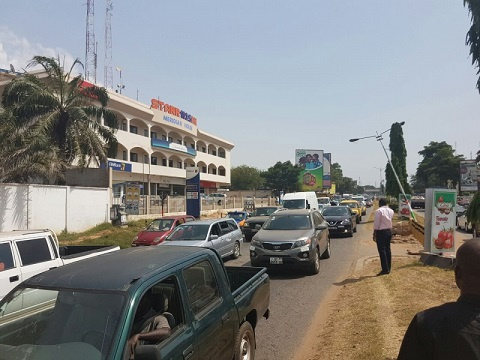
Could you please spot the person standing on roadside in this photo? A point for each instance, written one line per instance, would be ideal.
(382, 235)
(451, 330)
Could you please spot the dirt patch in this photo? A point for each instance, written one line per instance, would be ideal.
(91, 237)
(368, 316)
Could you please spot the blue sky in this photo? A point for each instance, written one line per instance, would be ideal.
(273, 76)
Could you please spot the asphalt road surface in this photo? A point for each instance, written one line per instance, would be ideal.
(295, 297)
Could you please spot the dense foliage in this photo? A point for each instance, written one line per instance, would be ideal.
(245, 177)
(282, 176)
(51, 123)
(398, 158)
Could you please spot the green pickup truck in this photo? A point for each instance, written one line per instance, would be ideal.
(87, 310)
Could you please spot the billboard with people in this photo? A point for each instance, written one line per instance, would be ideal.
(311, 162)
(468, 175)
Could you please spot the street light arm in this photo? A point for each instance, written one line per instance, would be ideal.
(365, 137)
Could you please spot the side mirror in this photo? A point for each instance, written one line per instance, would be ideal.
(321, 227)
(147, 352)
(213, 237)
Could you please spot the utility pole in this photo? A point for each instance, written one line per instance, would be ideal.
(108, 75)
(90, 46)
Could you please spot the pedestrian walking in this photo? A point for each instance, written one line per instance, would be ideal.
(382, 235)
(451, 330)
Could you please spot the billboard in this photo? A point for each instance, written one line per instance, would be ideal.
(468, 175)
(440, 220)
(311, 162)
(327, 162)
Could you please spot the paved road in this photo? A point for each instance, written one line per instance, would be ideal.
(295, 297)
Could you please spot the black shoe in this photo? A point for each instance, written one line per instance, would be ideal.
(383, 273)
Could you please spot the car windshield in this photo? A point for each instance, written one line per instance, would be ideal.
(350, 205)
(335, 211)
(294, 204)
(323, 200)
(160, 225)
(58, 324)
(237, 216)
(264, 211)
(189, 232)
(288, 222)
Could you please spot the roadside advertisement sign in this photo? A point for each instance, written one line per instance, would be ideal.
(468, 175)
(193, 191)
(440, 220)
(311, 162)
(132, 199)
(403, 208)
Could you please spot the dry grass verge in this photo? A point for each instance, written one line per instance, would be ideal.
(369, 317)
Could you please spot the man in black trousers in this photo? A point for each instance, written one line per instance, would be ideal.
(382, 234)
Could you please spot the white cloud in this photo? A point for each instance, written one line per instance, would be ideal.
(18, 51)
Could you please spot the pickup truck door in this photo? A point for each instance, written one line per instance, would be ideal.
(36, 256)
(213, 315)
(10, 274)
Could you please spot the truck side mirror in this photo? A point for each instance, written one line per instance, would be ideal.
(213, 237)
(147, 352)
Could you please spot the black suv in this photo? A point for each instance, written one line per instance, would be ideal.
(258, 218)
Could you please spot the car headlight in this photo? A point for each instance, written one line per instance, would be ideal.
(135, 238)
(301, 242)
(345, 222)
(256, 243)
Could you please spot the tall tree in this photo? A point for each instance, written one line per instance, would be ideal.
(473, 35)
(282, 176)
(60, 115)
(439, 165)
(398, 158)
(336, 174)
(245, 177)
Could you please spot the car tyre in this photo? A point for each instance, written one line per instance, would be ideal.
(245, 343)
(315, 266)
(328, 251)
(236, 250)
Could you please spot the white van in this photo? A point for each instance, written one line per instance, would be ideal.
(300, 200)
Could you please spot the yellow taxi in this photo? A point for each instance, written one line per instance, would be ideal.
(354, 206)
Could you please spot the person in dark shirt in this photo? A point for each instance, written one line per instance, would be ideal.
(451, 330)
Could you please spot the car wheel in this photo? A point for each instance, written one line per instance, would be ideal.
(328, 251)
(355, 228)
(236, 250)
(350, 234)
(315, 266)
(245, 343)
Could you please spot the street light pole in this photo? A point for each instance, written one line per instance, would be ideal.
(379, 168)
(380, 138)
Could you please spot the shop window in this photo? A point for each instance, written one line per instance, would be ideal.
(153, 160)
(125, 156)
(133, 129)
(134, 157)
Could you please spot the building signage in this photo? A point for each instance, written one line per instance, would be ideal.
(468, 175)
(170, 109)
(173, 146)
(118, 166)
(440, 220)
(311, 162)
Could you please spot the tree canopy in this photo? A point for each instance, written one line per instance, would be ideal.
(245, 177)
(282, 176)
(53, 123)
(439, 165)
(398, 158)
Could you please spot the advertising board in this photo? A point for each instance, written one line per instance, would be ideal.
(468, 175)
(311, 162)
(440, 220)
(403, 208)
(193, 191)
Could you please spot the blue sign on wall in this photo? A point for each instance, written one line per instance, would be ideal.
(118, 166)
(173, 146)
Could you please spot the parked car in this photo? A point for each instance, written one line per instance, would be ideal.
(323, 200)
(355, 207)
(300, 200)
(462, 222)
(297, 238)
(223, 235)
(156, 232)
(26, 253)
(341, 220)
(258, 218)
(87, 310)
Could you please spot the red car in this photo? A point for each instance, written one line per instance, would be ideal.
(156, 232)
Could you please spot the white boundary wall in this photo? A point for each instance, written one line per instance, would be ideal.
(70, 208)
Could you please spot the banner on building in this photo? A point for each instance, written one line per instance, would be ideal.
(311, 162)
(468, 175)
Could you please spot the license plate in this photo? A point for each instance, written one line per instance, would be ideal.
(276, 260)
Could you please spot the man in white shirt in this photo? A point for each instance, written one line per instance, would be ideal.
(382, 235)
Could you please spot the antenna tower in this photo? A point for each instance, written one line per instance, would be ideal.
(108, 47)
(90, 48)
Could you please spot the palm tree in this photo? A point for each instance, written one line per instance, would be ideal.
(56, 122)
